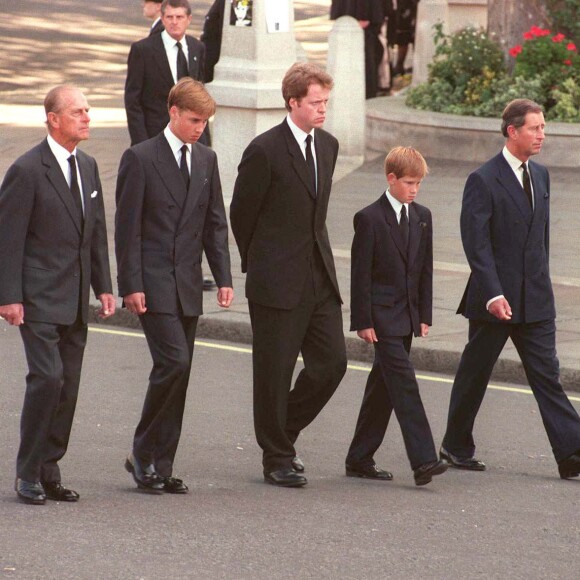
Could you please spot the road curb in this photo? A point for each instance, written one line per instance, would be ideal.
(425, 359)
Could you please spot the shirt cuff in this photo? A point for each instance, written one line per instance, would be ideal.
(488, 303)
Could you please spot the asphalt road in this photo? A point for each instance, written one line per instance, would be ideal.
(517, 520)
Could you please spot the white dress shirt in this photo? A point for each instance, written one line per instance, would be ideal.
(62, 156)
(170, 45)
(516, 166)
(176, 144)
(300, 137)
(397, 205)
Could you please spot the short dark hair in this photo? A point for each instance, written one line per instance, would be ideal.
(176, 4)
(515, 113)
(190, 95)
(299, 77)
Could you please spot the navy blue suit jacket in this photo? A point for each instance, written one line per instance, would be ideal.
(391, 287)
(507, 244)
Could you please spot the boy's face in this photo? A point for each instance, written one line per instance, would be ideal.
(404, 189)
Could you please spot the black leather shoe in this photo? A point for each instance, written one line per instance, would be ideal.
(298, 464)
(55, 491)
(424, 473)
(145, 476)
(570, 467)
(285, 478)
(174, 485)
(370, 472)
(208, 284)
(30, 492)
(469, 463)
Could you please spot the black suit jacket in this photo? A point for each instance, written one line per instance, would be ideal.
(277, 219)
(149, 81)
(158, 28)
(46, 255)
(372, 10)
(391, 287)
(507, 244)
(162, 228)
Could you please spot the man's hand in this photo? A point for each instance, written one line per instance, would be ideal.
(135, 302)
(364, 23)
(107, 305)
(225, 296)
(424, 329)
(368, 335)
(501, 309)
(13, 314)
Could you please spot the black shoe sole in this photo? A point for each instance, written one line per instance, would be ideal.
(458, 466)
(364, 476)
(30, 501)
(141, 485)
(285, 484)
(428, 478)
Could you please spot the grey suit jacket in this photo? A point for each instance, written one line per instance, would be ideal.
(277, 219)
(46, 255)
(391, 285)
(149, 81)
(506, 244)
(162, 228)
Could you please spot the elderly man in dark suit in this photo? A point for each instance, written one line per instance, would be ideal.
(278, 217)
(53, 248)
(505, 229)
(391, 299)
(169, 210)
(155, 64)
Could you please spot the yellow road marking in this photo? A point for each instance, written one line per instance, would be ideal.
(351, 367)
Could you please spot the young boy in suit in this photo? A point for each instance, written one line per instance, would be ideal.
(391, 299)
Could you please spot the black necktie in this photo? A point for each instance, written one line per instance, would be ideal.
(404, 226)
(183, 166)
(527, 184)
(310, 162)
(74, 187)
(182, 68)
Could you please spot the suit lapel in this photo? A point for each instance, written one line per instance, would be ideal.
(87, 186)
(393, 226)
(514, 189)
(160, 57)
(55, 176)
(298, 161)
(540, 192)
(193, 63)
(415, 232)
(198, 181)
(169, 171)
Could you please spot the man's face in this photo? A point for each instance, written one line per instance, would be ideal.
(176, 22)
(186, 125)
(527, 140)
(151, 10)
(70, 124)
(404, 189)
(309, 112)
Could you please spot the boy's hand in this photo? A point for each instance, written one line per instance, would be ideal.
(368, 335)
(424, 329)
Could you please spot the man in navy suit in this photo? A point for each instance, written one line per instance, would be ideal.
(505, 229)
(154, 65)
(391, 299)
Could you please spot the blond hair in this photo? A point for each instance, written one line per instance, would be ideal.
(405, 161)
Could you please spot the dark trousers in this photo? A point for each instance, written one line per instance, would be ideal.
(392, 386)
(170, 338)
(374, 51)
(313, 328)
(55, 355)
(536, 345)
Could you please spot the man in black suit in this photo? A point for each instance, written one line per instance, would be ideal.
(169, 210)
(505, 229)
(371, 17)
(152, 11)
(155, 64)
(212, 37)
(391, 299)
(278, 215)
(53, 248)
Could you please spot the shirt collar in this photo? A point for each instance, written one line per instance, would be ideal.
(169, 42)
(59, 151)
(298, 133)
(174, 142)
(395, 203)
(513, 161)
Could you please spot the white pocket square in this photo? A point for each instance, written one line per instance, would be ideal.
(94, 194)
